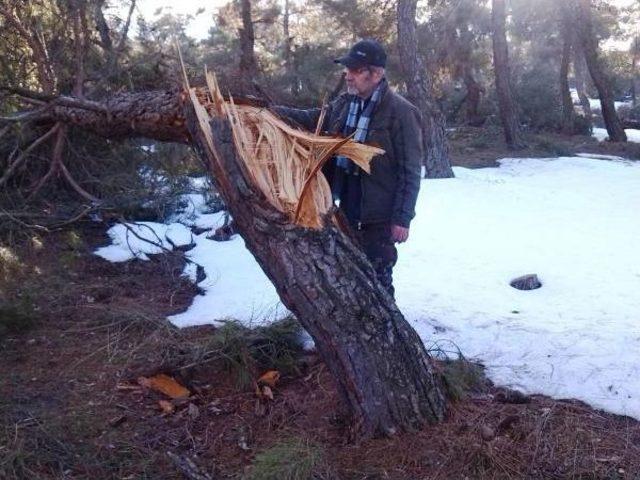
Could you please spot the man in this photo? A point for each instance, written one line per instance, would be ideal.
(379, 206)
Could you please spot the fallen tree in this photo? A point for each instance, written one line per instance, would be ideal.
(383, 372)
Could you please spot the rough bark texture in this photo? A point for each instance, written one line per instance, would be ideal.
(565, 93)
(589, 43)
(381, 367)
(157, 115)
(437, 162)
(508, 113)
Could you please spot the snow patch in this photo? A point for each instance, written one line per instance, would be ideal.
(137, 240)
(571, 220)
(633, 135)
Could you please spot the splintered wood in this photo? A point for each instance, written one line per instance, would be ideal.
(281, 161)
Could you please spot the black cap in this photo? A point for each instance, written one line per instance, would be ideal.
(363, 53)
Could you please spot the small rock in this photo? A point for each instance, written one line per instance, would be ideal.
(487, 433)
(526, 282)
(511, 396)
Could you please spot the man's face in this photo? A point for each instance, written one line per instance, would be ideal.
(362, 81)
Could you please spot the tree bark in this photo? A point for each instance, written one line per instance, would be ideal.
(248, 63)
(635, 53)
(508, 113)
(581, 81)
(156, 115)
(589, 43)
(472, 101)
(568, 115)
(383, 372)
(416, 78)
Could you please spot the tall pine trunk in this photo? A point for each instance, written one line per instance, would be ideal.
(416, 79)
(579, 69)
(635, 53)
(508, 112)
(248, 63)
(589, 44)
(568, 115)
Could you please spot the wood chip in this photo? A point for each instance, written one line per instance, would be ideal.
(164, 384)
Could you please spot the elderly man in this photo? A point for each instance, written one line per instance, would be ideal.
(379, 206)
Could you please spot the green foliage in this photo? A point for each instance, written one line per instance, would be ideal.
(582, 126)
(459, 375)
(538, 96)
(17, 316)
(293, 459)
(631, 113)
(246, 352)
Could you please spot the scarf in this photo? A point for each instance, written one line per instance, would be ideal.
(361, 128)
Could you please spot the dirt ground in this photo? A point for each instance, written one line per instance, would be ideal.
(475, 147)
(71, 406)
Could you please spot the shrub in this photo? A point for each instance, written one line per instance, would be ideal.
(538, 97)
(293, 459)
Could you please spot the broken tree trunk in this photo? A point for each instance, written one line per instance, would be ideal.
(382, 370)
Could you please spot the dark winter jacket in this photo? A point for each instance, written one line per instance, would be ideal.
(389, 193)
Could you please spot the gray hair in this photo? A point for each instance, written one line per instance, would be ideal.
(375, 69)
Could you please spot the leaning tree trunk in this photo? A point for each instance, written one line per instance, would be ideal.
(382, 370)
(589, 43)
(508, 113)
(381, 367)
(568, 115)
(416, 79)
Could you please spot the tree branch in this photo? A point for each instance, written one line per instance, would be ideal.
(24, 155)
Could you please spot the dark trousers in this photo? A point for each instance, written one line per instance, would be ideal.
(374, 238)
(375, 241)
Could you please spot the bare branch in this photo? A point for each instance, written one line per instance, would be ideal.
(24, 155)
(61, 100)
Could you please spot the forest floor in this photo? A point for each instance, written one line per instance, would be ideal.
(475, 147)
(85, 330)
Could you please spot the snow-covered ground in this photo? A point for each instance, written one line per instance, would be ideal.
(594, 103)
(633, 135)
(573, 221)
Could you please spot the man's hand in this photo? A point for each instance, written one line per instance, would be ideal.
(399, 234)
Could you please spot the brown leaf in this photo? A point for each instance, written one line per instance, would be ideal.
(165, 384)
(166, 406)
(270, 378)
